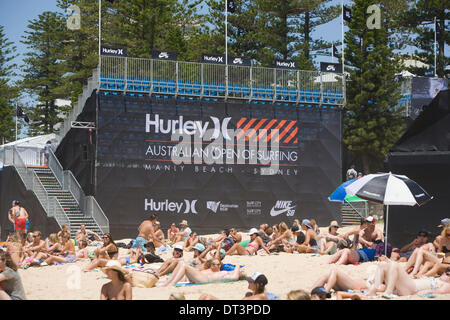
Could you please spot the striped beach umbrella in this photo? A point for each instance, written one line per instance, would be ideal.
(389, 189)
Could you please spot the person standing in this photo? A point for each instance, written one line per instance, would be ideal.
(19, 217)
(47, 148)
(351, 173)
(146, 233)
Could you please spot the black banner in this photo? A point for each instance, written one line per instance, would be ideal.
(213, 58)
(423, 91)
(239, 61)
(347, 14)
(164, 55)
(117, 52)
(286, 64)
(235, 165)
(331, 67)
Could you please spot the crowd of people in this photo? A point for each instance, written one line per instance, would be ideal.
(420, 267)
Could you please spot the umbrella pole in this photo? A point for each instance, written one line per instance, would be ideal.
(386, 237)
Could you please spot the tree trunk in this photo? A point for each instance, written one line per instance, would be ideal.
(366, 164)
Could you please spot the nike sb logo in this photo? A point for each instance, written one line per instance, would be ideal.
(281, 207)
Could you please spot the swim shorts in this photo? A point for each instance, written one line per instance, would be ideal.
(140, 242)
(366, 254)
(20, 224)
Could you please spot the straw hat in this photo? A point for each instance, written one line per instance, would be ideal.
(184, 223)
(114, 265)
(334, 223)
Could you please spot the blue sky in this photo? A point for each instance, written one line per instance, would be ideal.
(15, 16)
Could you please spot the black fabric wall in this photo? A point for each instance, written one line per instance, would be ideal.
(432, 172)
(12, 188)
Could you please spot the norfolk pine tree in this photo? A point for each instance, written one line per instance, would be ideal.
(371, 123)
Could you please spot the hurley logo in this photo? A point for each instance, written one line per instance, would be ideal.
(186, 127)
(282, 207)
(176, 207)
(213, 59)
(118, 52)
(285, 64)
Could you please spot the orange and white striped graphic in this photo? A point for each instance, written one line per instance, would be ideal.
(257, 129)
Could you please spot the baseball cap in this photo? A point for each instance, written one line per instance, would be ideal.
(370, 219)
(444, 222)
(423, 232)
(307, 223)
(258, 278)
(252, 231)
(199, 247)
(178, 246)
(321, 292)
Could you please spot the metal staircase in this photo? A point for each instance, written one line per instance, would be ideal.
(67, 201)
(58, 192)
(352, 213)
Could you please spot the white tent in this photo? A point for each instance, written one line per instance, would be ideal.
(30, 148)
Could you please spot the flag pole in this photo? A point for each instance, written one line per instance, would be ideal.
(16, 121)
(226, 48)
(435, 39)
(99, 36)
(342, 31)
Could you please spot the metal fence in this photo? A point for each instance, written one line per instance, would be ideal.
(149, 76)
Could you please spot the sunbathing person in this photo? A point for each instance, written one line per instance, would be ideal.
(310, 244)
(370, 236)
(172, 233)
(339, 280)
(256, 283)
(237, 237)
(133, 257)
(82, 251)
(11, 287)
(285, 241)
(86, 235)
(314, 226)
(37, 246)
(191, 241)
(253, 246)
(67, 254)
(108, 250)
(418, 257)
(211, 274)
(52, 246)
(170, 264)
(330, 240)
(14, 248)
(119, 288)
(199, 259)
(405, 252)
(434, 269)
(399, 283)
(444, 243)
(64, 228)
(352, 256)
(158, 235)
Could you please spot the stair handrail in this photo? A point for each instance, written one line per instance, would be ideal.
(39, 190)
(71, 184)
(21, 168)
(56, 168)
(59, 214)
(96, 212)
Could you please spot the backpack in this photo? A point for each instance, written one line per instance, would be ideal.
(151, 258)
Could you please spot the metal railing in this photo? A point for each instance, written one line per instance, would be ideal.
(95, 211)
(87, 204)
(149, 76)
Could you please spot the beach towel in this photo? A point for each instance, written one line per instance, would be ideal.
(188, 284)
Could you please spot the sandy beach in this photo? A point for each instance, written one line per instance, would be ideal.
(284, 271)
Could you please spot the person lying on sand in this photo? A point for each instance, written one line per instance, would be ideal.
(420, 256)
(351, 256)
(256, 283)
(253, 246)
(339, 280)
(398, 282)
(132, 258)
(211, 274)
(119, 288)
